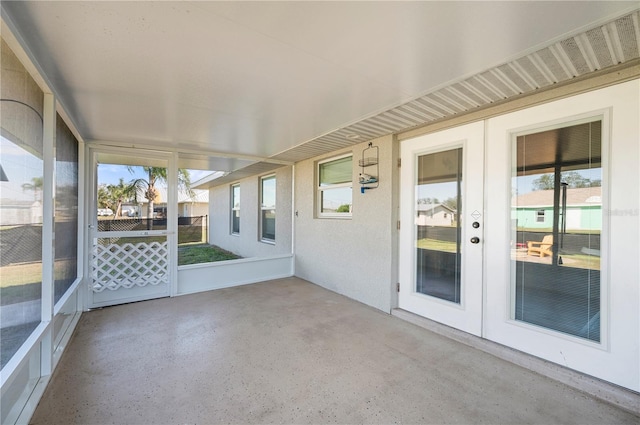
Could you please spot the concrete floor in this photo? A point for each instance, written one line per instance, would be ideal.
(287, 351)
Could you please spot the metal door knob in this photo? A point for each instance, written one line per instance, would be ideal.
(475, 239)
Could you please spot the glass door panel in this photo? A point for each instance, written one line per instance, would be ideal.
(441, 211)
(438, 202)
(556, 223)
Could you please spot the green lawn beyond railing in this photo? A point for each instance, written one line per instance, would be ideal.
(575, 260)
(202, 253)
(21, 282)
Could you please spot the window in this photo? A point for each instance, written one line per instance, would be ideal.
(268, 208)
(66, 218)
(335, 178)
(557, 283)
(235, 209)
(439, 250)
(21, 200)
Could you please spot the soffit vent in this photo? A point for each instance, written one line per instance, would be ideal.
(608, 45)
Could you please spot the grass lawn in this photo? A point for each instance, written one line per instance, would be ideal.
(21, 282)
(570, 260)
(436, 245)
(202, 253)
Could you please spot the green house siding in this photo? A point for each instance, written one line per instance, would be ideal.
(591, 218)
(527, 218)
(588, 217)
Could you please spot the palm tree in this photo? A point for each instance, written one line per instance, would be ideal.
(37, 183)
(113, 195)
(148, 186)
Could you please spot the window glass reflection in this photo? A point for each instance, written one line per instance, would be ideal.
(556, 219)
(438, 203)
(21, 245)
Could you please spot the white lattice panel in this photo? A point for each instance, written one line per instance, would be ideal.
(128, 265)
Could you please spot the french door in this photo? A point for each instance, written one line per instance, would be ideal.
(441, 235)
(130, 255)
(545, 260)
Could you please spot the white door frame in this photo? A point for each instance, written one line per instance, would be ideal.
(467, 315)
(135, 293)
(616, 357)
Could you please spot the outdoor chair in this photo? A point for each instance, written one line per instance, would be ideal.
(541, 248)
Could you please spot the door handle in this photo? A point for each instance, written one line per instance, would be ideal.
(475, 239)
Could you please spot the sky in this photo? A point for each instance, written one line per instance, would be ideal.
(20, 167)
(111, 174)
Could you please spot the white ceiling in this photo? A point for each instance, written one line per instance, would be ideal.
(259, 78)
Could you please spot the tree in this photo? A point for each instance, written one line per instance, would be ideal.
(113, 195)
(428, 201)
(544, 182)
(573, 179)
(451, 203)
(37, 183)
(148, 188)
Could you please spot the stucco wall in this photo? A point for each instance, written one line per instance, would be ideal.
(247, 243)
(353, 257)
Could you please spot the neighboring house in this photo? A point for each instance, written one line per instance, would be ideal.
(14, 213)
(193, 206)
(434, 215)
(534, 210)
(189, 205)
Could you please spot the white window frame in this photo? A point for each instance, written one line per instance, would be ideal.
(233, 209)
(320, 190)
(263, 208)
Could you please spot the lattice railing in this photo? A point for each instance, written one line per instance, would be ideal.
(125, 266)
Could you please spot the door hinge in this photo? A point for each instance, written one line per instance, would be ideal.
(398, 225)
(399, 162)
(398, 287)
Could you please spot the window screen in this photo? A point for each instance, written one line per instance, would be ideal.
(66, 220)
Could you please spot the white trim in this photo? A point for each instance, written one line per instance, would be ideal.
(261, 237)
(468, 313)
(233, 208)
(604, 116)
(616, 359)
(82, 224)
(319, 189)
(8, 372)
(172, 222)
(48, 226)
(201, 277)
(65, 297)
(294, 214)
(162, 289)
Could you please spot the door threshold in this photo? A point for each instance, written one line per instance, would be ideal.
(597, 388)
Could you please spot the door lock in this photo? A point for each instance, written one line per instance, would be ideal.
(475, 239)
(475, 224)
